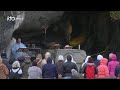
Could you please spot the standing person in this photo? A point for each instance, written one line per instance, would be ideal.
(84, 63)
(59, 65)
(16, 46)
(25, 65)
(34, 72)
(15, 72)
(112, 64)
(71, 60)
(89, 69)
(39, 60)
(103, 71)
(68, 66)
(47, 55)
(3, 70)
(86, 60)
(49, 70)
(110, 57)
(5, 60)
(117, 71)
(97, 62)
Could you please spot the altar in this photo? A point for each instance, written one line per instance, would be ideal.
(78, 55)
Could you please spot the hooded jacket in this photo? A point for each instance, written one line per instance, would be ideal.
(103, 71)
(112, 64)
(85, 66)
(97, 62)
(25, 65)
(71, 60)
(49, 69)
(68, 66)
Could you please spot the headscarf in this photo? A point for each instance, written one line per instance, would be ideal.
(86, 60)
(71, 60)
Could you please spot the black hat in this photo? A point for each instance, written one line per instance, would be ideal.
(3, 55)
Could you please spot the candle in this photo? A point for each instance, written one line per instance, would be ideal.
(79, 46)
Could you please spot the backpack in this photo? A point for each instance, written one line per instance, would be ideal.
(14, 75)
(90, 72)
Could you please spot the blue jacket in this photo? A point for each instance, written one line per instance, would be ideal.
(97, 63)
(49, 70)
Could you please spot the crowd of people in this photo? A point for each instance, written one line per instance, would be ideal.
(101, 68)
(22, 67)
(39, 68)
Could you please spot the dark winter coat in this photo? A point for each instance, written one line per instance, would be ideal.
(25, 66)
(59, 67)
(68, 66)
(49, 70)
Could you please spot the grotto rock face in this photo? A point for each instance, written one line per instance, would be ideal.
(38, 20)
(95, 31)
(33, 27)
(31, 20)
(98, 30)
(8, 27)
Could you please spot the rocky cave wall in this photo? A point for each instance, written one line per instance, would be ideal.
(95, 31)
(8, 27)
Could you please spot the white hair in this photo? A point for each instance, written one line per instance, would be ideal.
(16, 64)
(47, 54)
(60, 57)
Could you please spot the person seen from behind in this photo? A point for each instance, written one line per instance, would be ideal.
(112, 65)
(89, 69)
(68, 66)
(3, 70)
(103, 71)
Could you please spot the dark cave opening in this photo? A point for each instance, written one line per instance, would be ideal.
(91, 29)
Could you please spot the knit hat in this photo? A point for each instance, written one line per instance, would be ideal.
(99, 57)
(3, 55)
(60, 57)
